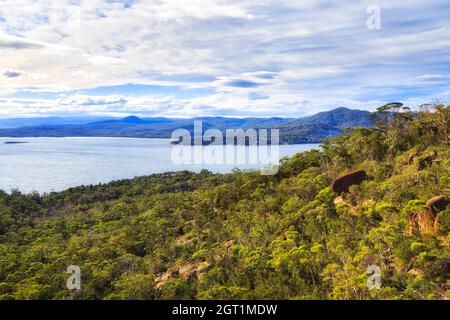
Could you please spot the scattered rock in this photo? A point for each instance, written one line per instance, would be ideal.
(437, 203)
(163, 278)
(186, 271)
(343, 183)
(200, 270)
(193, 271)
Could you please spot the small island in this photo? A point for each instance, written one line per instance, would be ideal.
(15, 142)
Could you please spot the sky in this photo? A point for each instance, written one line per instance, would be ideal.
(234, 58)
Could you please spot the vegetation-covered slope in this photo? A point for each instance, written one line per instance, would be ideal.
(243, 235)
(304, 130)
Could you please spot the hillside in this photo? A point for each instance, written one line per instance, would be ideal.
(340, 118)
(304, 130)
(301, 234)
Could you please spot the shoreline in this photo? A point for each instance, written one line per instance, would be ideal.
(173, 142)
(73, 162)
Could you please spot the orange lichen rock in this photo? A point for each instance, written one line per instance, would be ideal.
(437, 224)
(413, 227)
(425, 222)
(428, 221)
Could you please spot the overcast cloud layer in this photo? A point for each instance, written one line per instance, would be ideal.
(183, 58)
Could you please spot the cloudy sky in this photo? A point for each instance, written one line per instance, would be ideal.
(182, 58)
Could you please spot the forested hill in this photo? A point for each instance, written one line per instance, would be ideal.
(304, 130)
(310, 232)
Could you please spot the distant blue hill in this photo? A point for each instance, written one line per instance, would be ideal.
(133, 120)
(26, 122)
(311, 129)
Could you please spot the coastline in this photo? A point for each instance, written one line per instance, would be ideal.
(53, 165)
(173, 142)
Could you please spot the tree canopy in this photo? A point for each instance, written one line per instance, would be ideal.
(241, 235)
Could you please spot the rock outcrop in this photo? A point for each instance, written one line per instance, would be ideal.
(193, 270)
(164, 278)
(186, 271)
(437, 203)
(413, 227)
(428, 221)
(425, 222)
(343, 183)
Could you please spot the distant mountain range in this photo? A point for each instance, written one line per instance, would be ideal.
(40, 121)
(311, 129)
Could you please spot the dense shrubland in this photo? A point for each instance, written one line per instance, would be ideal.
(243, 235)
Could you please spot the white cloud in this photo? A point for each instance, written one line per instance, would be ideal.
(266, 57)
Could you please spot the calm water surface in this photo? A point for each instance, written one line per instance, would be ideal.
(55, 164)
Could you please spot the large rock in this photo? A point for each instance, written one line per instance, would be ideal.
(437, 203)
(437, 224)
(425, 222)
(343, 183)
(413, 227)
